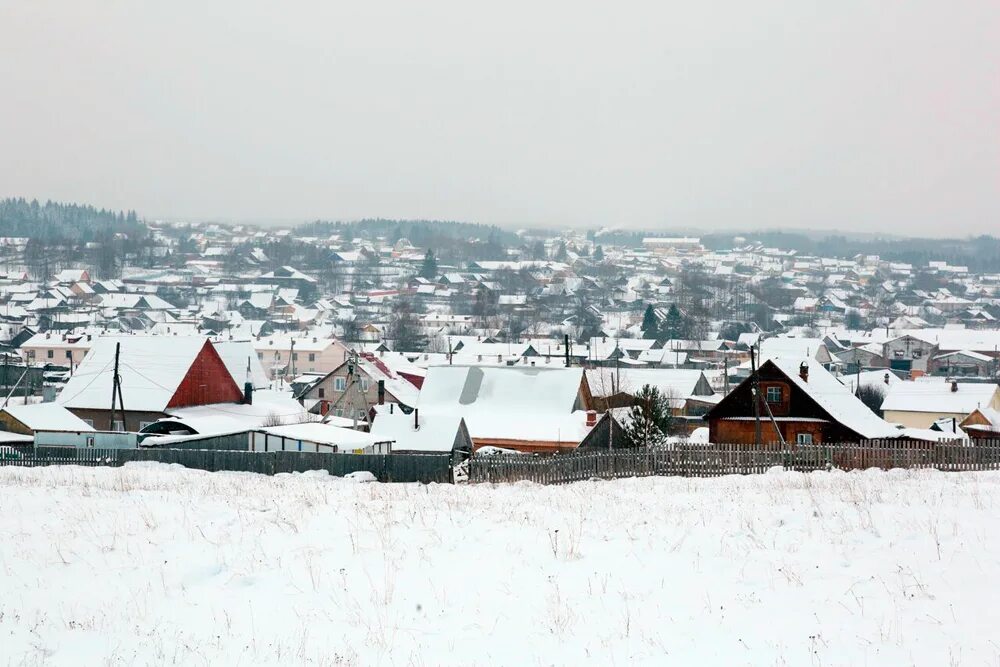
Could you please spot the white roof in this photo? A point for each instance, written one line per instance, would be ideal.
(151, 368)
(324, 434)
(267, 406)
(676, 383)
(47, 417)
(937, 396)
(793, 348)
(437, 432)
(235, 354)
(519, 403)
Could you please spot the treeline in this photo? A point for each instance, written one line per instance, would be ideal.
(452, 242)
(54, 221)
(64, 235)
(981, 254)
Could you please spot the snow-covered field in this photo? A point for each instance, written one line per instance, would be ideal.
(152, 564)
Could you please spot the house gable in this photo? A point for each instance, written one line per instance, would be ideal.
(207, 381)
(793, 407)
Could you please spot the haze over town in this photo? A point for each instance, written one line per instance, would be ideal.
(656, 115)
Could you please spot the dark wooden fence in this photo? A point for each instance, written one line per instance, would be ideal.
(386, 467)
(713, 460)
(682, 459)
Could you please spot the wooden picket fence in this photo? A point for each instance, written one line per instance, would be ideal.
(689, 459)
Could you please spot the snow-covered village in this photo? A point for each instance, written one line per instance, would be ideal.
(174, 391)
(417, 334)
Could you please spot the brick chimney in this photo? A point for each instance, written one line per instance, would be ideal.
(591, 418)
(804, 371)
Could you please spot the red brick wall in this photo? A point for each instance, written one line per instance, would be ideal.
(206, 382)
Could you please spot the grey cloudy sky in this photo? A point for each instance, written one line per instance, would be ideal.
(874, 115)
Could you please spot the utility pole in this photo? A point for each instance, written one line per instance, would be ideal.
(755, 390)
(116, 390)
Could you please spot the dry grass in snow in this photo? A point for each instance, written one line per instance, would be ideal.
(152, 564)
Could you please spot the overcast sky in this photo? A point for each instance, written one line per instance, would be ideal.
(868, 115)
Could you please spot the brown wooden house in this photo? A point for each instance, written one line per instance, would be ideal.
(800, 400)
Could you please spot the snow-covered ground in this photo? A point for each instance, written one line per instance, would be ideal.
(152, 564)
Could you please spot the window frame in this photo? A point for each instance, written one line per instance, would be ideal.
(776, 388)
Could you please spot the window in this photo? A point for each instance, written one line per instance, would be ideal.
(322, 392)
(295, 356)
(69, 354)
(804, 438)
(90, 441)
(50, 354)
(774, 394)
(118, 426)
(89, 422)
(340, 384)
(260, 356)
(312, 356)
(364, 384)
(143, 425)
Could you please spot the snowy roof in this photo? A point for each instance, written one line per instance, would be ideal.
(47, 416)
(436, 433)
(676, 383)
(938, 397)
(791, 348)
(518, 403)
(151, 368)
(325, 434)
(880, 379)
(235, 354)
(267, 406)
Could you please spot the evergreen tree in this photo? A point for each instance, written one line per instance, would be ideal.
(649, 323)
(538, 250)
(649, 419)
(404, 329)
(598, 254)
(673, 325)
(561, 255)
(429, 268)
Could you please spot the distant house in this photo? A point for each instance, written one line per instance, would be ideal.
(70, 276)
(283, 355)
(909, 353)
(375, 384)
(962, 363)
(982, 424)
(615, 388)
(157, 373)
(862, 357)
(919, 404)
(807, 403)
(530, 409)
